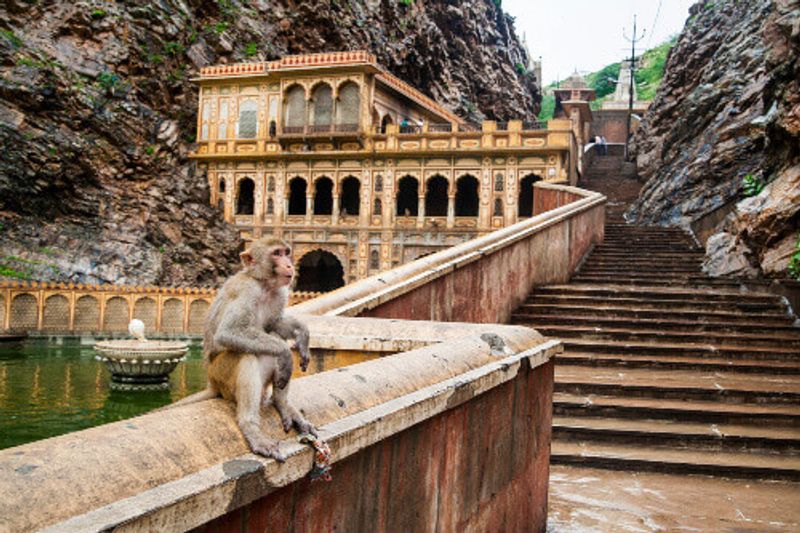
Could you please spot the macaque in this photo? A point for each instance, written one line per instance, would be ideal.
(245, 347)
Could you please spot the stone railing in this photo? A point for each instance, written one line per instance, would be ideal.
(394, 423)
(61, 308)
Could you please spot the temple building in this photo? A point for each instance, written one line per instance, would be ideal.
(357, 169)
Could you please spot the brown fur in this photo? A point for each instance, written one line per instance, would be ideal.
(244, 343)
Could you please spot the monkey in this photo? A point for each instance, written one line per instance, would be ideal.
(244, 343)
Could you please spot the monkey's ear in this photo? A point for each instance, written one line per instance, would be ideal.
(247, 258)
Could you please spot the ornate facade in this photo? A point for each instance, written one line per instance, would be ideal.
(359, 170)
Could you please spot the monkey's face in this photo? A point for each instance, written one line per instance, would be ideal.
(270, 260)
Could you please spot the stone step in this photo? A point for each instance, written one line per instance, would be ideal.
(679, 362)
(692, 281)
(613, 405)
(674, 460)
(779, 353)
(728, 386)
(594, 269)
(642, 249)
(660, 293)
(651, 258)
(750, 438)
(678, 324)
(703, 313)
(663, 306)
(787, 340)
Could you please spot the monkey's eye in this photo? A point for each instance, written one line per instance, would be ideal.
(277, 252)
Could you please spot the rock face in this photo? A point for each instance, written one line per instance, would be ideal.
(97, 115)
(729, 105)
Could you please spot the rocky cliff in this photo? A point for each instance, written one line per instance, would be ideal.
(729, 106)
(97, 115)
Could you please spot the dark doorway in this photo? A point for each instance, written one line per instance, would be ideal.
(525, 205)
(297, 196)
(467, 197)
(350, 198)
(436, 197)
(323, 196)
(245, 197)
(319, 271)
(407, 197)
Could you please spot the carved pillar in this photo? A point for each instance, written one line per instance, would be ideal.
(451, 211)
(421, 212)
(309, 208)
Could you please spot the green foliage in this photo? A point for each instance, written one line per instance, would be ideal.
(548, 106)
(173, 48)
(752, 185)
(794, 261)
(520, 68)
(108, 80)
(30, 62)
(406, 2)
(651, 69)
(192, 38)
(10, 272)
(177, 74)
(162, 250)
(155, 58)
(9, 35)
(497, 3)
(250, 49)
(220, 27)
(150, 150)
(604, 80)
(98, 13)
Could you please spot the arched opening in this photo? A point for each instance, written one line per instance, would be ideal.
(248, 120)
(348, 106)
(172, 316)
(294, 111)
(323, 196)
(245, 197)
(385, 122)
(55, 315)
(322, 107)
(525, 203)
(198, 310)
(319, 271)
(407, 196)
(467, 196)
(350, 198)
(87, 314)
(377, 208)
(145, 309)
(297, 196)
(115, 317)
(24, 312)
(436, 197)
(374, 260)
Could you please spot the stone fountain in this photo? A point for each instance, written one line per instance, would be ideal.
(138, 363)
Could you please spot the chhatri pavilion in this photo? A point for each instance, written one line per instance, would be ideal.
(360, 171)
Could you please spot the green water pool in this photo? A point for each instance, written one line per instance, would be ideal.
(50, 388)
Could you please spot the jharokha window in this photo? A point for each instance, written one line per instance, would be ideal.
(248, 120)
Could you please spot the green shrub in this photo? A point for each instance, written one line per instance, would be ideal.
(250, 49)
(108, 80)
(155, 58)
(220, 27)
(173, 48)
(520, 68)
(752, 185)
(794, 262)
(98, 13)
(150, 150)
(9, 35)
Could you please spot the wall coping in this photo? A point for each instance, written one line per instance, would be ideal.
(371, 292)
(170, 471)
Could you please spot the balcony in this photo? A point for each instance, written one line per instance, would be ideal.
(321, 130)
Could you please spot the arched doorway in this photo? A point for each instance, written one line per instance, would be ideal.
(297, 196)
(436, 197)
(323, 196)
(467, 196)
(525, 204)
(385, 122)
(350, 197)
(319, 271)
(245, 197)
(407, 197)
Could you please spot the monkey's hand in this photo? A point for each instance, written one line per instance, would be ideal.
(305, 357)
(283, 371)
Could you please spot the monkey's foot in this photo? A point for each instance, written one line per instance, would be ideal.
(305, 357)
(267, 448)
(300, 424)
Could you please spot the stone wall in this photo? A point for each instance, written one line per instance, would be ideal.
(70, 309)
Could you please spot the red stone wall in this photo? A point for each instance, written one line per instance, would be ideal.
(482, 466)
(489, 290)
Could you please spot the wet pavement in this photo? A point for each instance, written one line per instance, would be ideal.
(589, 500)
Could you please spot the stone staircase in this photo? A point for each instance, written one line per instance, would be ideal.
(666, 370)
